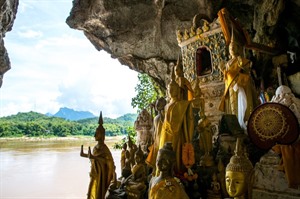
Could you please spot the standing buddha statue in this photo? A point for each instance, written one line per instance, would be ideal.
(157, 124)
(178, 125)
(239, 96)
(102, 165)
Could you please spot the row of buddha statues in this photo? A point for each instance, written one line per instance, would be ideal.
(176, 155)
(138, 180)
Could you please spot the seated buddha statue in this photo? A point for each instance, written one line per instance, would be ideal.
(178, 125)
(132, 185)
(165, 185)
(214, 192)
(238, 174)
(135, 184)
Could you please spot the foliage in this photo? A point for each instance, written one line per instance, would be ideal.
(34, 124)
(147, 92)
(131, 133)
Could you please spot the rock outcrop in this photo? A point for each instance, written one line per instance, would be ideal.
(8, 10)
(142, 34)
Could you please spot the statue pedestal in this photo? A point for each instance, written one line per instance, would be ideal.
(269, 182)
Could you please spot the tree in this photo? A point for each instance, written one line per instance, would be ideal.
(147, 92)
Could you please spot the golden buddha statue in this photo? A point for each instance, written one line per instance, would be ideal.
(205, 140)
(178, 125)
(123, 155)
(126, 170)
(157, 123)
(165, 185)
(238, 174)
(102, 165)
(132, 149)
(186, 90)
(239, 96)
(135, 184)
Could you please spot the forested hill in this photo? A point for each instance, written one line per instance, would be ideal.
(37, 124)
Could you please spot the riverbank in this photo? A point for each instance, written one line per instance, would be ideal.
(70, 140)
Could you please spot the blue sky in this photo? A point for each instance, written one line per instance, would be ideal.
(54, 66)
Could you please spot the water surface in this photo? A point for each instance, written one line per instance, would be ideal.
(45, 169)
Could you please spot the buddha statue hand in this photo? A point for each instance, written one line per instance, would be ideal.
(82, 154)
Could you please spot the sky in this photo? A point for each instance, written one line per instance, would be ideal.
(54, 66)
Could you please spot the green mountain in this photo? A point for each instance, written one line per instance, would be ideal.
(37, 124)
(73, 115)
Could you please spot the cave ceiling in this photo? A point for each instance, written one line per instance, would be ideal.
(141, 34)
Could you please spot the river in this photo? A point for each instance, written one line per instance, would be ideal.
(46, 169)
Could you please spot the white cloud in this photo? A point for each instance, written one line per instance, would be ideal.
(61, 68)
(30, 34)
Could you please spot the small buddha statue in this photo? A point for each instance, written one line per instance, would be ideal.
(205, 131)
(165, 185)
(215, 188)
(132, 149)
(238, 174)
(123, 157)
(135, 184)
(126, 170)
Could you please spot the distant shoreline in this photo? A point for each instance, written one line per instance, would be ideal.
(68, 138)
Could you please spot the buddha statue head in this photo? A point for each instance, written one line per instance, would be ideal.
(178, 68)
(100, 131)
(160, 104)
(173, 88)
(237, 174)
(166, 158)
(139, 155)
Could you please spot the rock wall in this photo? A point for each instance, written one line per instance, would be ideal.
(142, 34)
(8, 10)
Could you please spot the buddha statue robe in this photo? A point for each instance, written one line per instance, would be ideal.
(238, 97)
(178, 128)
(167, 188)
(102, 170)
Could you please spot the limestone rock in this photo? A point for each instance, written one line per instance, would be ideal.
(142, 34)
(8, 10)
